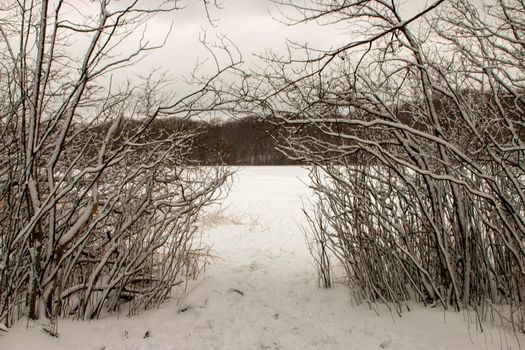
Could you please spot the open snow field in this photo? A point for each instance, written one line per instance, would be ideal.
(260, 292)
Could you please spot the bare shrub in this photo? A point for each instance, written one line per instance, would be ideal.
(97, 207)
(418, 148)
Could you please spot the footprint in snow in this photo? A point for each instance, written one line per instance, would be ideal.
(273, 346)
(189, 307)
(255, 266)
(237, 270)
(385, 344)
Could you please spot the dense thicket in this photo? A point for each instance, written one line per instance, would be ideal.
(94, 211)
(432, 108)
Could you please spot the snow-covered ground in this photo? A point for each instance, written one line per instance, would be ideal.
(260, 292)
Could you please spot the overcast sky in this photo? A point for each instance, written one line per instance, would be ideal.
(247, 23)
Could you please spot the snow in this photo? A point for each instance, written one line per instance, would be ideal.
(260, 292)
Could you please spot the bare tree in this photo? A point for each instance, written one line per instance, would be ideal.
(419, 148)
(94, 210)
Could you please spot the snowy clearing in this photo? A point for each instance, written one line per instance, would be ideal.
(260, 292)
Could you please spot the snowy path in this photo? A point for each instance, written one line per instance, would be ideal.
(261, 293)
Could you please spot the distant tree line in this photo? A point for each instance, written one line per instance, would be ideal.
(246, 141)
(243, 141)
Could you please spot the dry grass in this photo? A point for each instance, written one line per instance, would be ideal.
(196, 260)
(222, 217)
